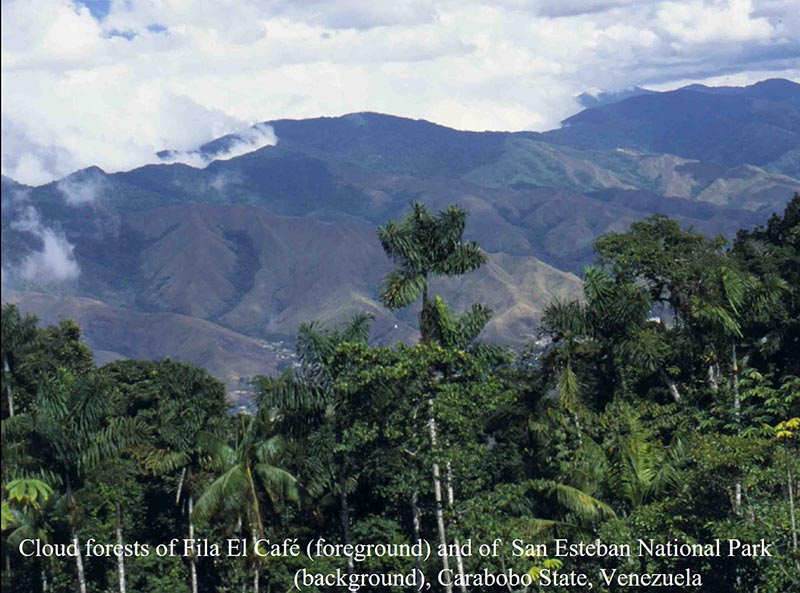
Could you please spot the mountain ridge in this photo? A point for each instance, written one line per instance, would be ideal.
(260, 242)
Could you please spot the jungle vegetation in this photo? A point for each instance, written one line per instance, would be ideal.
(664, 403)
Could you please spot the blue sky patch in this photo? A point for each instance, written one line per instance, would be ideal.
(98, 8)
(126, 34)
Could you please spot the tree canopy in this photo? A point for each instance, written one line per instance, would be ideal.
(663, 403)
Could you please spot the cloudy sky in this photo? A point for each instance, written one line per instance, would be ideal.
(110, 83)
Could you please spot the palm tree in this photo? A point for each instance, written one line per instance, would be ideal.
(311, 409)
(248, 471)
(614, 317)
(631, 462)
(27, 514)
(423, 245)
(17, 332)
(69, 430)
(568, 324)
(182, 402)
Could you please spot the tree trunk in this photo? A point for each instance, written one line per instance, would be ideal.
(75, 538)
(416, 523)
(712, 377)
(9, 391)
(79, 562)
(451, 504)
(255, 563)
(437, 490)
(737, 407)
(424, 335)
(180, 486)
(737, 403)
(192, 559)
(45, 584)
(344, 515)
(792, 518)
(673, 388)
(120, 556)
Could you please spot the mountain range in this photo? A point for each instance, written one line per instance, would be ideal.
(219, 264)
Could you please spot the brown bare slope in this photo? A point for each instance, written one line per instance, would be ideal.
(118, 332)
(300, 269)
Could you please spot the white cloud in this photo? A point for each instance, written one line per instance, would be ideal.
(173, 74)
(55, 262)
(249, 140)
(254, 138)
(81, 192)
(698, 22)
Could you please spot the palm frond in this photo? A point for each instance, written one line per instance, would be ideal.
(401, 288)
(161, 461)
(217, 448)
(232, 484)
(472, 323)
(357, 329)
(452, 221)
(565, 319)
(279, 484)
(112, 440)
(462, 258)
(597, 285)
(569, 389)
(585, 507)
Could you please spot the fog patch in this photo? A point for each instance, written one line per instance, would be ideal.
(31, 161)
(252, 139)
(81, 192)
(54, 263)
(249, 140)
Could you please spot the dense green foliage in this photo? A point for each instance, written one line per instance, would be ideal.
(664, 404)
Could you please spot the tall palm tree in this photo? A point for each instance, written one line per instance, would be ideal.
(248, 472)
(614, 317)
(69, 430)
(422, 246)
(17, 332)
(180, 402)
(313, 412)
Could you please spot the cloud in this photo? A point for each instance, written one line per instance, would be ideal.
(249, 140)
(54, 263)
(568, 8)
(253, 138)
(81, 192)
(114, 88)
(699, 23)
(32, 160)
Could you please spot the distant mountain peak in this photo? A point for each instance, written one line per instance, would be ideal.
(757, 124)
(595, 99)
(775, 89)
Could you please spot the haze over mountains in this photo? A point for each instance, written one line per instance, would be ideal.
(218, 265)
